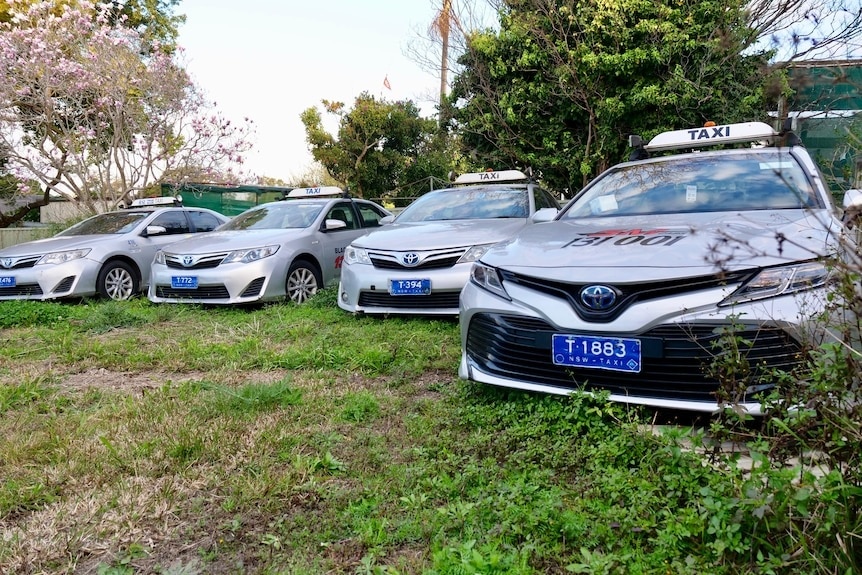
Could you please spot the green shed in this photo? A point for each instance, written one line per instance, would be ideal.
(229, 200)
(827, 101)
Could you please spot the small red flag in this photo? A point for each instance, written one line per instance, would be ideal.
(386, 82)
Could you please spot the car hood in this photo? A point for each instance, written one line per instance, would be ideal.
(440, 235)
(666, 246)
(230, 240)
(55, 244)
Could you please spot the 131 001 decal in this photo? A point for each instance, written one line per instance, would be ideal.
(655, 237)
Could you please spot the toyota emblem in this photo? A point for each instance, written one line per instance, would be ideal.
(410, 259)
(598, 297)
(7, 262)
(188, 260)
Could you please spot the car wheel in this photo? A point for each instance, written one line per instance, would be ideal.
(303, 281)
(117, 281)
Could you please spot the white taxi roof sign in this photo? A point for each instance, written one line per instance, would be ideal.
(485, 177)
(712, 136)
(160, 201)
(315, 192)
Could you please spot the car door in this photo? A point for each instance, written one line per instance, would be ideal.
(335, 241)
(176, 228)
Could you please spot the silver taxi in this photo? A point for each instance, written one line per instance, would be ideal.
(108, 254)
(642, 282)
(288, 248)
(418, 264)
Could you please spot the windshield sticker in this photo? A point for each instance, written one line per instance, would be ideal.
(647, 237)
(690, 194)
(776, 165)
(603, 204)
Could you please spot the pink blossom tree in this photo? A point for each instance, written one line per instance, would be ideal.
(85, 114)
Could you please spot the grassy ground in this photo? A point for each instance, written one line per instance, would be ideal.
(137, 438)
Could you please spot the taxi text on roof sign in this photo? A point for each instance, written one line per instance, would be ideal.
(315, 192)
(499, 176)
(712, 136)
(161, 201)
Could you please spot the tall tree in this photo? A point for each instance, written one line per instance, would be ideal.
(154, 20)
(565, 81)
(88, 115)
(379, 146)
(437, 47)
(806, 29)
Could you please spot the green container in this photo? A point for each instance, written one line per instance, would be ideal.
(226, 199)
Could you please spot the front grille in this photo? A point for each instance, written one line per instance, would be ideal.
(200, 292)
(428, 260)
(627, 294)
(674, 357)
(175, 261)
(64, 285)
(434, 300)
(21, 290)
(26, 262)
(253, 288)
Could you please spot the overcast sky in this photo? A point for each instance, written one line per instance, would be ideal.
(269, 60)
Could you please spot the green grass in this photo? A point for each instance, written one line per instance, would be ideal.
(137, 438)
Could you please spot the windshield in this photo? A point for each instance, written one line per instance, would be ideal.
(467, 204)
(710, 183)
(276, 216)
(111, 223)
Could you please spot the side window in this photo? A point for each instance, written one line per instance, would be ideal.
(543, 199)
(344, 213)
(203, 222)
(174, 222)
(370, 215)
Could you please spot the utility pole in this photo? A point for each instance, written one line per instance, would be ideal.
(443, 21)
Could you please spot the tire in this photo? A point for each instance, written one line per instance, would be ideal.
(118, 281)
(303, 281)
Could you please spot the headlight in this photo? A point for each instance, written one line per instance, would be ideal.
(474, 253)
(783, 280)
(356, 256)
(488, 278)
(249, 256)
(62, 257)
(160, 257)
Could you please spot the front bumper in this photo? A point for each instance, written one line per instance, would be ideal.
(226, 284)
(365, 289)
(508, 344)
(75, 278)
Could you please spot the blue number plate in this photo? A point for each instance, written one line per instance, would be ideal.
(7, 281)
(410, 287)
(614, 353)
(184, 282)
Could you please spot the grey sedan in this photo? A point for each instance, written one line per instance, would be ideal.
(108, 254)
(289, 248)
(419, 263)
(665, 276)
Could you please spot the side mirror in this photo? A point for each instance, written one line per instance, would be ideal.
(852, 207)
(386, 220)
(853, 199)
(156, 230)
(330, 225)
(544, 215)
